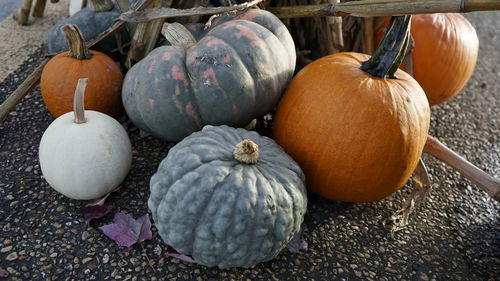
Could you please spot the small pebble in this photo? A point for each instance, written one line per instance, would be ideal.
(12, 256)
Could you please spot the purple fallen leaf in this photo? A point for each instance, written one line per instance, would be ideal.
(173, 253)
(94, 212)
(126, 231)
(298, 243)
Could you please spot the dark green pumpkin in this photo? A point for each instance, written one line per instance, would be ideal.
(224, 212)
(236, 71)
(91, 24)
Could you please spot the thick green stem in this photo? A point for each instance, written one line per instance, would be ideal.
(77, 47)
(78, 101)
(391, 51)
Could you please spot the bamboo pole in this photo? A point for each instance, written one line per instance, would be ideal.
(24, 12)
(487, 183)
(368, 8)
(39, 8)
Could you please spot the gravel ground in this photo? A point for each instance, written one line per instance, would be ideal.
(454, 236)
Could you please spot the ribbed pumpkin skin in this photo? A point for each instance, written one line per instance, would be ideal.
(357, 138)
(224, 213)
(91, 24)
(60, 77)
(235, 72)
(444, 54)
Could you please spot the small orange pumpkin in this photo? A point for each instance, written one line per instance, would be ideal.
(357, 137)
(60, 77)
(444, 53)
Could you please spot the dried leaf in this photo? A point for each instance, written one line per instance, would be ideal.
(94, 212)
(126, 231)
(143, 134)
(173, 253)
(298, 243)
(99, 201)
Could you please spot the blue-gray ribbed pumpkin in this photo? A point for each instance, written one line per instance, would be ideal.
(235, 72)
(91, 22)
(228, 197)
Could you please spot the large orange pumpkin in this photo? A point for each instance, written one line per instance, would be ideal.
(444, 54)
(357, 137)
(60, 77)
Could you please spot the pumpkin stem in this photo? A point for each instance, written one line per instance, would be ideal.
(78, 101)
(391, 51)
(100, 5)
(178, 35)
(77, 47)
(246, 152)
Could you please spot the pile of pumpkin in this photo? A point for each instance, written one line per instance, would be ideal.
(353, 125)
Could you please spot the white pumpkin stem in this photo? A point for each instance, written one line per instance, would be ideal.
(100, 5)
(246, 152)
(178, 35)
(77, 47)
(78, 101)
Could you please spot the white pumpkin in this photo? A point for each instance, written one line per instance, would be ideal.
(84, 154)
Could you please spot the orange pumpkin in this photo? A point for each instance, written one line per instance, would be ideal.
(60, 77)
(444, 54)
(357, 137)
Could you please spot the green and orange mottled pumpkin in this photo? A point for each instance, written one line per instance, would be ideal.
(236, 71)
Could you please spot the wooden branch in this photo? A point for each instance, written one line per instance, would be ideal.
(39, 8)
(140, 4)
(368, 35)
(24, 13)
(13, 99)
(163, 13)
(477, 176)
(124, 5)
(9, 104)
(369, 8)
(335, 24)
(145, 37)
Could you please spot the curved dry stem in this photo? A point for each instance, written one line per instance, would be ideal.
(421, 187)
(78, 101)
